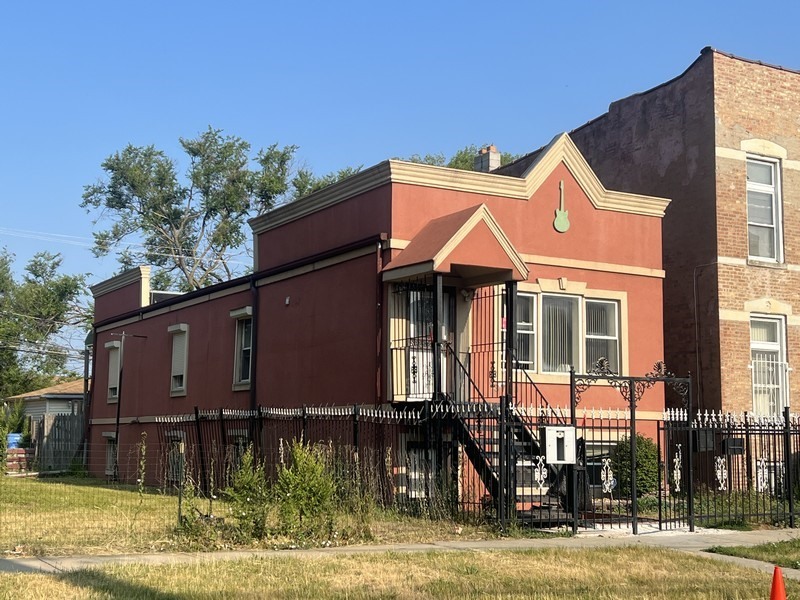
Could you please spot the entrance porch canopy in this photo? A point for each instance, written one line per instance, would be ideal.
(469, 244)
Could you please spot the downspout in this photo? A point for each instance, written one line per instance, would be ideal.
(254, 344)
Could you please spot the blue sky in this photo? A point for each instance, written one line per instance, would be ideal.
(350, 83)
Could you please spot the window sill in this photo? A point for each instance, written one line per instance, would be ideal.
(177, 393)
(112, 400)
(241, 387)
(768, 264)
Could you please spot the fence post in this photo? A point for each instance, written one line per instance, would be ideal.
(690, 445)
(502, 474)
(356, 413)
(787, 453)
(663, 468)
(573, 415)
(634, 501)
(203, 473)
(305, 424)
(181, 478)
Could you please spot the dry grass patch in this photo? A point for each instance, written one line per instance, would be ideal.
(77, 516)
(631, 572)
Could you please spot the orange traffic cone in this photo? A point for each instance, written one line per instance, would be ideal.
(778, 590)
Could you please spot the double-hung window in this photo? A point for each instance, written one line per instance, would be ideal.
(764, 210)
(556, 332)
(243, 357)
(180, 338)
(113, 370)
(526, 332)
(602, 334)
(560, 333)
(770, 370)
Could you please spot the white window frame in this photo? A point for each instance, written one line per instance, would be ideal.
(111, 452)
(779, 350)
(113, 371)
(179, 359)
(529, 366)
(538, 299)
(579, 341)
(774, 191)
(242, 316)
(615, 338)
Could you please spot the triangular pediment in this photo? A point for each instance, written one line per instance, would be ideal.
(468, 238)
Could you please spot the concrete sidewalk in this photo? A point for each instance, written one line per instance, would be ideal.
(680, 540)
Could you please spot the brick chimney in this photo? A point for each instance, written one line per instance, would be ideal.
(488, 159)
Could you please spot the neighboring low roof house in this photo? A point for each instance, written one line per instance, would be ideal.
(61, 399)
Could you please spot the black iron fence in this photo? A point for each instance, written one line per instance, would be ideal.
(484, 461)
(723, 469)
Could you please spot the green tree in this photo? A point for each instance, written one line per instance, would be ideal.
(462, 159)
(191, 228)
(305, 182)
(34, 315)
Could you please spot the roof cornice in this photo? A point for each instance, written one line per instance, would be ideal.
(561, 148)
(120, 281)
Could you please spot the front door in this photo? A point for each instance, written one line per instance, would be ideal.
(413, 340)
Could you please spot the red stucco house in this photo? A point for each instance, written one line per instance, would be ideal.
(394, 287)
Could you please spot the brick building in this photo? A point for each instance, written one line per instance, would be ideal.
(722, 140)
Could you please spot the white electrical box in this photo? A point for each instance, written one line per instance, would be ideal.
(559, 444)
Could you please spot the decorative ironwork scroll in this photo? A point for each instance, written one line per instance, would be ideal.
(762, 475)
(602, 371)
(721, 472)
(607, 476)
(677, 465)
(540, 472)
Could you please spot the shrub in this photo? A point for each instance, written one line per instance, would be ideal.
(305, 491)
(646, 465)
(248, 494)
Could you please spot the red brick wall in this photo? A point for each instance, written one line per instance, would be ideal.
(660, 142)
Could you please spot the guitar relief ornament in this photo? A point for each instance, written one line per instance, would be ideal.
(561, 222)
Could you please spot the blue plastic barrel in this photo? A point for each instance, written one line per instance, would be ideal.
(14, 439)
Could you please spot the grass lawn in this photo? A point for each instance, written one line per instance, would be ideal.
(785, 554)
(605, 573)
(73, 516)
(76, 515)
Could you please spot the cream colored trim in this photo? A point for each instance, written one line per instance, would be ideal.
(123, 280)
(178, 327)
(359, 183)
(316, 266)
(112, 345)
(482, 214)
(727, 314)
(125, 420)
(741, 316)
(240, 313)
(732, 261)
(409, 271)
(589, 265)
(768, 306)
(562, 286)
(110, 435)
(730, 153)
(561, 148)
(763, 147)
(395, 244)
(173, 307)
